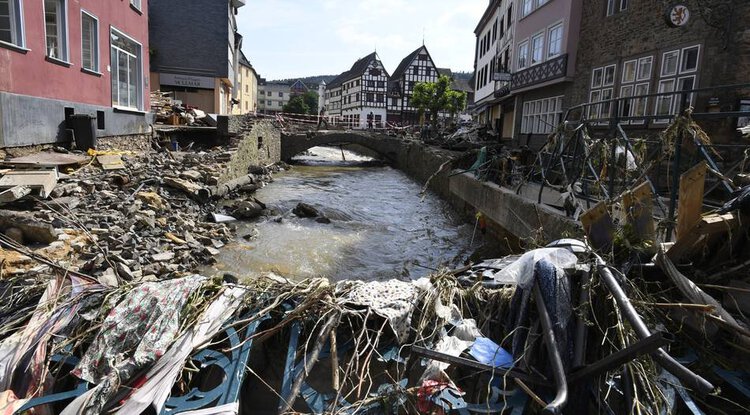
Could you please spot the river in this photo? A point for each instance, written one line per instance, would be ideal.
(380, 228)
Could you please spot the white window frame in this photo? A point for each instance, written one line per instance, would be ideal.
(539, 36)
(611, 7)
(676, 77)
(525, 11)
(136, 4)
(660, 99)
(139, 74)
(541, 116)
(62, 31)
(95, 52)
(647, 76)
(594, 83)
(676, 54)
(623, 5)
(625, 64)
(636, 107)
(557, 26)
(17, 28)
(525, 55)
(682, 59)
(614, 75)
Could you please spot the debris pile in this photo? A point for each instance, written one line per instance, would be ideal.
(129, 217)
(167, 111)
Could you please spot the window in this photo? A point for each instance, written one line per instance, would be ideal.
(611, 7)
(669, 63)
(555, 41)
(541, 116)
(628, 71)
(55, 24)
(370, 97)
(602, 81)
(126, 63)
(523, 53)
(597, 77)
(11, 22)
(269, 102)
(381, 84)
(528, 6)
(678, 68)
(281, 95)
(623, 5)
(644, 67)
(136, 4)
(689, 61)
(632, 71)
(609, 75)
(89, 42)
(370, 84)
(380, 98)
(537, 45)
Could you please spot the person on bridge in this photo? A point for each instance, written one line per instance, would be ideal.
(370, 118)
(322, 118)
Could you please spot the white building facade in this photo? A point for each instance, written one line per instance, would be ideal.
(359, 92)
(417, 66)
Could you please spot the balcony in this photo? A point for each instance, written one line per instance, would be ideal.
(543, 72)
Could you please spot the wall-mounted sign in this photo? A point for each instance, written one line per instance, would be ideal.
(501, 76)
(187, 81)
(677, 15)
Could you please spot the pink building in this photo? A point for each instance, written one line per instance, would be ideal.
(59, 57)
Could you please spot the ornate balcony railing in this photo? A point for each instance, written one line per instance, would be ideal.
(546, 71)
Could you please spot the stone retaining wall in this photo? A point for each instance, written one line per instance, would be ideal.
(259, 145)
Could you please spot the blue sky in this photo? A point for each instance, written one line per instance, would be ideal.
(296, 38)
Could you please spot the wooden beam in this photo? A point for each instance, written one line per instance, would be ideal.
(690, 202)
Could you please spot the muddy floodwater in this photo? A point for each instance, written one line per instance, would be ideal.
(380, 228)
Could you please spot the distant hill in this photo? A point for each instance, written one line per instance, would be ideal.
(309, 80)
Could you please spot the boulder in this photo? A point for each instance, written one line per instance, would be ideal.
(247, 210)
(303, 210)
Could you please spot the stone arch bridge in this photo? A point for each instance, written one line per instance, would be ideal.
(388, 147)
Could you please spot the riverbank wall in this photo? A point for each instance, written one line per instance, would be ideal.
(512, 221)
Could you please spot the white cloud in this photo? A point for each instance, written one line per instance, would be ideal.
(290, 38)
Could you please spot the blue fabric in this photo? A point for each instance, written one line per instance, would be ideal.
(490, 353)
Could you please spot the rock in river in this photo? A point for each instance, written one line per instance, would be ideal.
(303, 210)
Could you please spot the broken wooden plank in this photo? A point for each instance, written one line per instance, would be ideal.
(42, 180)
(695, 238)
(690, 202)
(598, 226)
(48, 159)
(639, 211)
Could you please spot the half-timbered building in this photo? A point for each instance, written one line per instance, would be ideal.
(358, 92)
(417, 66)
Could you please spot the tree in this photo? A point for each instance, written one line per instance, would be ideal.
(296, 105)
(435, 97)
(311, 100)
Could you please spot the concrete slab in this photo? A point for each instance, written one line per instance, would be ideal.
(42, 180)
(48, 159)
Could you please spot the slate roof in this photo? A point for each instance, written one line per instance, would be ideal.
(404, 65)
(357, 69)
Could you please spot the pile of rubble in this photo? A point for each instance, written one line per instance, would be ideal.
(152, 216)
(167, 111)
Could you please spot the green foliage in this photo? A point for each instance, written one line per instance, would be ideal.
(297, 105)
(434, 97)
(311, 100)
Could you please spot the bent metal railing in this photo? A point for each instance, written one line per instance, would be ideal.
(591, 169)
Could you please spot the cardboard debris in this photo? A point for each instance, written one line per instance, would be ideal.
(111, 162)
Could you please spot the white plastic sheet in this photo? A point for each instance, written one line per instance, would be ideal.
(522, 270)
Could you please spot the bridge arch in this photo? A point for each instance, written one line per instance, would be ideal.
(294, 144)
